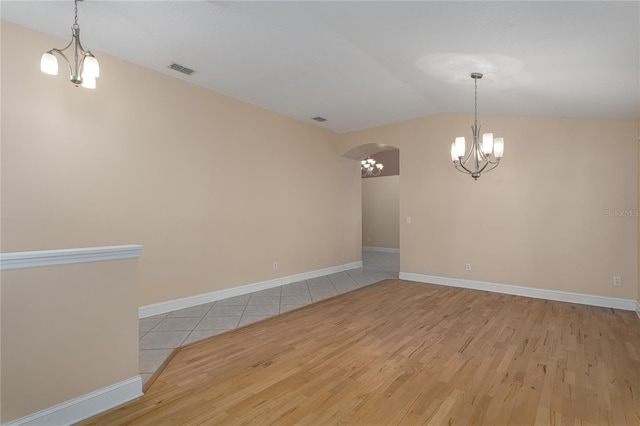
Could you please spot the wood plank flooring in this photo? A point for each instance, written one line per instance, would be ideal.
(398, 352)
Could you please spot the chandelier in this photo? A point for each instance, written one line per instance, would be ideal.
(83, 70)
(481, 157)
(369, 167)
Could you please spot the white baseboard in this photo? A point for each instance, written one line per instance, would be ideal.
(381, 249)
(187, 302)
(638, 309)
(84, 406)
(561, 296)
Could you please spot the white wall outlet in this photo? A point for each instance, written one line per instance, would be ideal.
(275, 266)
(408, 219)
(342, 254)
(467, 266)
(617, 281)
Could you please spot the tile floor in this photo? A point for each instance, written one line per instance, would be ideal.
(160, 334)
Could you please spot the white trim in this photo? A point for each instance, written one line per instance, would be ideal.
(32, 259)
(381, 249)
(187, 302)
(638, 309)
(84, 406)
(562, 296)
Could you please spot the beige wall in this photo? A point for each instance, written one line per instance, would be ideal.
(545, 218)
(66, 331)
(215, 189)
(380, 212)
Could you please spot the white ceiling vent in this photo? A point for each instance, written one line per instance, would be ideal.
(181, 68)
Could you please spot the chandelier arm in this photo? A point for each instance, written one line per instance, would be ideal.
(66, 47)
(59, 52)
(463, 170)
(482, 155)
(476, 134)
(461, 164)
(467, 155)
(491, 168)
(84, 52)
(484, 166)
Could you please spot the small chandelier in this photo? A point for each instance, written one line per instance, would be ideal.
(369, 167)
(480, 158)
(83, 70)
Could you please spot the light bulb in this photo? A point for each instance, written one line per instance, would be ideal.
(90, 66)
(460, 148)
(89, 82)
(487, 143)
(498, 147)
(49, 64)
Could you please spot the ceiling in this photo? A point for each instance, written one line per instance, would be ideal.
(361, 64)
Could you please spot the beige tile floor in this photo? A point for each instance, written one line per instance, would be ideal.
(161, 334)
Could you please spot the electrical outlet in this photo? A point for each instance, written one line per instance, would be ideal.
(467, 266)
(275, 266)
(617, 281)
(342, 254)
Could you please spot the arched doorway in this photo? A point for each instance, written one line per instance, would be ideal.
(380, 202)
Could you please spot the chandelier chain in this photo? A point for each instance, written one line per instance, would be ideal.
(75, 25)
(475, 119)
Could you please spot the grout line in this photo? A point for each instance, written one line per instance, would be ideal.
(243, 312)
(196, 326)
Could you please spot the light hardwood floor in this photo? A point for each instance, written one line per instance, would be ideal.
(398, 352)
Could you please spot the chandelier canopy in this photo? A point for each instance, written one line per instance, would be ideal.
(84, 68)
(369, 167)
(480, 157)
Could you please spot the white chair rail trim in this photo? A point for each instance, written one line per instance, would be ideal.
(33, 259)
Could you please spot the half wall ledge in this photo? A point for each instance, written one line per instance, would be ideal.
(32, 259)
(69, 326)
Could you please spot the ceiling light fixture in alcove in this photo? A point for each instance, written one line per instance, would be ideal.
(84, 70)
(480, 158)
(369, 167)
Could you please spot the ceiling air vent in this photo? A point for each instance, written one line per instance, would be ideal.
(180, 68)
(320, 119)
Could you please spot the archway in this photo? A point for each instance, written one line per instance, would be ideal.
(380, 204)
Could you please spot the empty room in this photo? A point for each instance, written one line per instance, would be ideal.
(319, 212)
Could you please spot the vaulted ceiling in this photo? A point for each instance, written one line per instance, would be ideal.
(361, 64)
